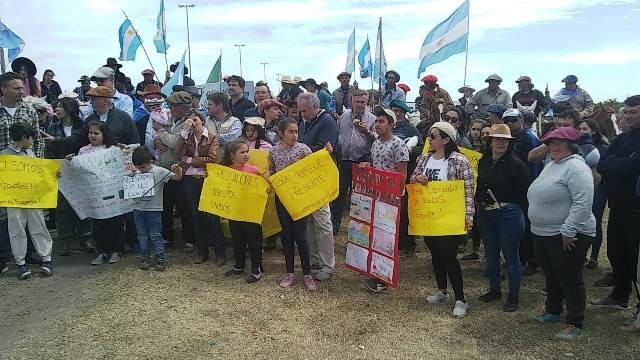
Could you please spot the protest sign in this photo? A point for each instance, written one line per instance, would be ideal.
(372, 246)
(230, 193)
(307, 185)
(139, 185)
(472, 156)
(27, 182)
(260, 159)
(437, 208)
(93, 184)
(270, 222)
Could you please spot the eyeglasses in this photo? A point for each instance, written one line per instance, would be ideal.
(433, 136)
(510, 119)
(451, 119)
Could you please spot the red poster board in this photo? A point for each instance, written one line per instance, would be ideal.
(374, 224)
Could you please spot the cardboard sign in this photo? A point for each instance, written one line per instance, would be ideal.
(374, 217)
(140, 185)
(28, 183)
(437, 209)
(307, 185)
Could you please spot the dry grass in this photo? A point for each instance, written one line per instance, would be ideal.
(192, 311)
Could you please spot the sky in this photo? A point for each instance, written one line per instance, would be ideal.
(547, 40)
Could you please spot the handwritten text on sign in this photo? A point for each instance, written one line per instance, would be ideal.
(307, 185)
(229, 193)
(138, 186)
(437, 208)
(472, 156)
(27, 182)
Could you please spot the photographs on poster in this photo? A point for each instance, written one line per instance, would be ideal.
(358, 233)
(361, 207)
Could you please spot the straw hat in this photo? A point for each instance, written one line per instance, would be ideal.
(101, 91)
(286, 79)
(500, 131)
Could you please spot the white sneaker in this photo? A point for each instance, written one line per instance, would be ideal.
(99, 260)
(114, 258)
(437, 296)
(460, 309)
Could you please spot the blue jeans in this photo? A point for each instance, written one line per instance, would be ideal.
(599, 203)
(502, 229)
(149, 227)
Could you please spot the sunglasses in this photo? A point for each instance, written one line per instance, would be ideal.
(433, 136)
(510, 119)
(451, 119)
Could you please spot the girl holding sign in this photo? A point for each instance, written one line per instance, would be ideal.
(283, 154)
(236, 156)
(445, 162)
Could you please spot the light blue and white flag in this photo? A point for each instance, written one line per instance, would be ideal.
(350, 67)
(129, 41)
(160, 40)
(10, 41)
(364, 59)
(176, 79)
(446, 39)
(380, 65)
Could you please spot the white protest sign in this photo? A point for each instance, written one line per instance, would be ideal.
(93, 184)
(139, 185)
(207, 89)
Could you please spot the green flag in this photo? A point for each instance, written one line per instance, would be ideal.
(216, 73)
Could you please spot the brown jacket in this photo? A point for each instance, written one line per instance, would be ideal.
(207, 150)
(337, 93)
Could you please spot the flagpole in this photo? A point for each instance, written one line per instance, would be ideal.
(466, 52)
(141, 44)
(220, 78)
(354, 54)
(164, 40)
(381, 59)
(2, 64)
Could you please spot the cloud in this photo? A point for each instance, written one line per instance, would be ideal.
(602, 57)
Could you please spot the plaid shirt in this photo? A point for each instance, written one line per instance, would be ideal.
(458, 169)
(24, 113)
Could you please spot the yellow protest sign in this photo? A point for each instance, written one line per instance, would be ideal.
(29, 183)
(307, 185)
(437, 208)
(270, 222)
(472, 156)
(233, 194)
(260, 159)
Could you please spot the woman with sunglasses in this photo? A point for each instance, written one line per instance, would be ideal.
(457, 117)
(501, 196)
(445, 162)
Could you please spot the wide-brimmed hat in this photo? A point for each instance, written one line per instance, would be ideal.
(102, 72)
(147, 72)
(512, 113)
(461, 89)
(192, 90)
(494, 77)
(83, 78)
(380, 111)
(565, 133)
(447, 128)
(19, 62)
(150, 89)
(286, 79)
(179, 98)
(255, 120)
(68, 94)
(112, 62)
(344, 73)
(297, 80)
(500, 131)
(100, 91)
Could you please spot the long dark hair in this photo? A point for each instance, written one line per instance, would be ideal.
(71, 107)
(464, 120)
(596, 138)
(450, 146)
(230, 150)
(33, 85)
(107, 138)
(262, 134)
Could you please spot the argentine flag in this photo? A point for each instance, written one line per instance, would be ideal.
(160, 40)
(129, 41)
(10, 41)
(176, 79)
(364, 59)
(350, 67)
(446, 39)
(380, 64)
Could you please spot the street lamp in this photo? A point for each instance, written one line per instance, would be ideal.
(278, 78)
(240, 46)
(186, 9)
(264, 70)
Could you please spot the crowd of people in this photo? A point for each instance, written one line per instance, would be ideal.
(549, 167)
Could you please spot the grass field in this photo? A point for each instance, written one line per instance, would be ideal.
(194, 312)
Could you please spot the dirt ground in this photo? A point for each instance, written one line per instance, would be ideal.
(193, 311)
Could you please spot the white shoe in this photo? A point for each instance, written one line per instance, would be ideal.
(114, 258)
(99, 260)
(437, 296)
(460, 309)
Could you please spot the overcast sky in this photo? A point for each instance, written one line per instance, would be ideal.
(595, 40)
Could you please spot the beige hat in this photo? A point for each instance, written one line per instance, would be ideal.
(446, 128)
(102, 72)
(286, 79)
(254, 120)
(380, 111)
(500, 131)
(297, 80)
(68, 94)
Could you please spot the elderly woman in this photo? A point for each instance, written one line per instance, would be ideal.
(444, 162)
(563, 227)
(501, 194)
(196, 147)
